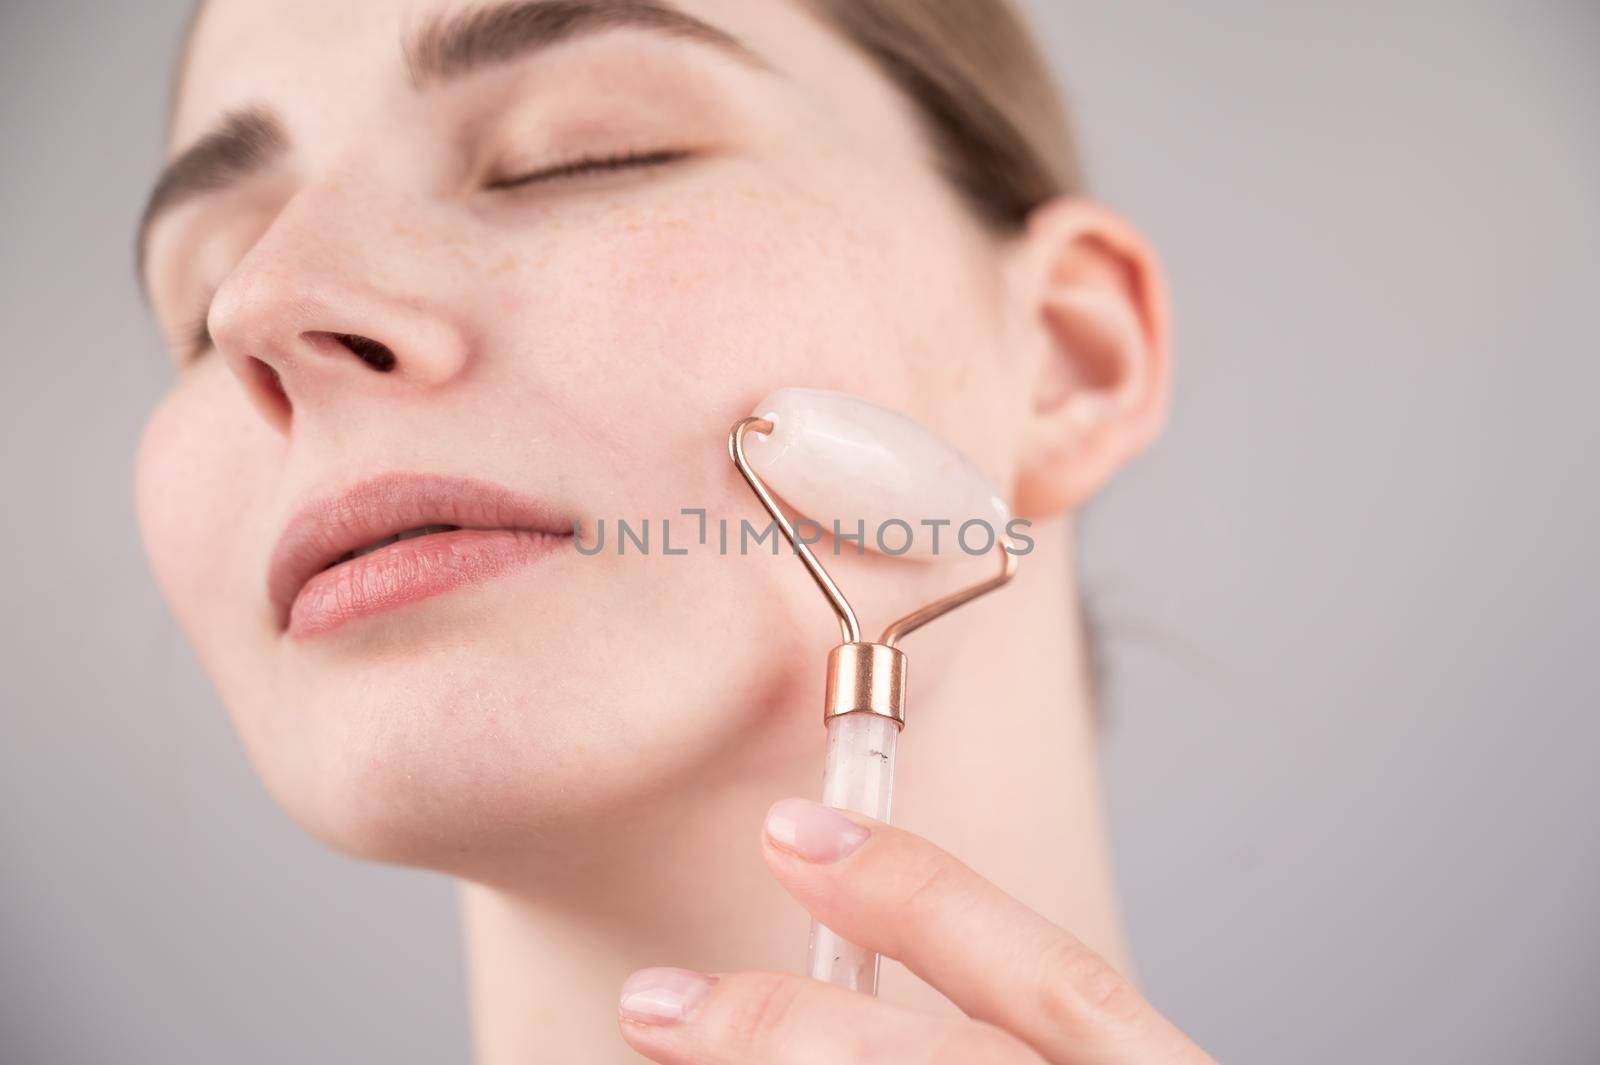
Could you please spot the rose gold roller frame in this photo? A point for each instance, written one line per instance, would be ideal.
(863, 679)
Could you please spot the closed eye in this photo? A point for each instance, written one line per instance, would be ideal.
(600, 164)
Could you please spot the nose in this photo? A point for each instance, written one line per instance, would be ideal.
(319, 315)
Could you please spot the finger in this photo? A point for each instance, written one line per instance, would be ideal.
(1000, 962)
(678, 1017)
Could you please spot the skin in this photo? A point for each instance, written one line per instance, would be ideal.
(581, 741)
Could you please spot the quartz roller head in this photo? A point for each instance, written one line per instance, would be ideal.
(835, 458)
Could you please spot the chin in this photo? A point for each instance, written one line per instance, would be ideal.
(431, 759)
(495, 755)
(497, 730)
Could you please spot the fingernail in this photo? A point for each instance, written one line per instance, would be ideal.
(662, 996)
(813, 831)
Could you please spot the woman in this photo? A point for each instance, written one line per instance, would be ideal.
(478, 274)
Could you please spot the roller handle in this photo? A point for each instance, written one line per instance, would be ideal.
(858, 777)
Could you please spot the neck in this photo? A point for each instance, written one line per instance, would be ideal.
(1000, 705)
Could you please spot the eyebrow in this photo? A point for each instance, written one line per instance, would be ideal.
(243, 143)
(460, 44)
(248, 141)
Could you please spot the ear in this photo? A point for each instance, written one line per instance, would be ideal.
(1095, 316)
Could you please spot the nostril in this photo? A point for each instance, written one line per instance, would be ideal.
(376, 355)
(268, 388)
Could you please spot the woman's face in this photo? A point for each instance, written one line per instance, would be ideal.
(557, 260)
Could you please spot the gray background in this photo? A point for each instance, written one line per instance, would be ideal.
(1348, 604)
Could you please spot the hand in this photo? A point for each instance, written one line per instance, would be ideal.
(1031, 992)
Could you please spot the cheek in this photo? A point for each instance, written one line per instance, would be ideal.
(698, 313)
(725, 289)
(194, 498)
(656, 326)
(726, 295)
(180, 493)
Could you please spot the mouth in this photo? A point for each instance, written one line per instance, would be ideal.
(399, 539)
(378, 545)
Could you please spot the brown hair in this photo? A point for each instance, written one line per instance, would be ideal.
(973, 68)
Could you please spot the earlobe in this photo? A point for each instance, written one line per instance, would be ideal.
(1096, 307)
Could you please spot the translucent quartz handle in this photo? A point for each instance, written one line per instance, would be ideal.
(859, 777)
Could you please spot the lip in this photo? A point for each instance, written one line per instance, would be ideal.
(499, 530)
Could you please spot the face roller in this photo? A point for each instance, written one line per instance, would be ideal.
(837, 458)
